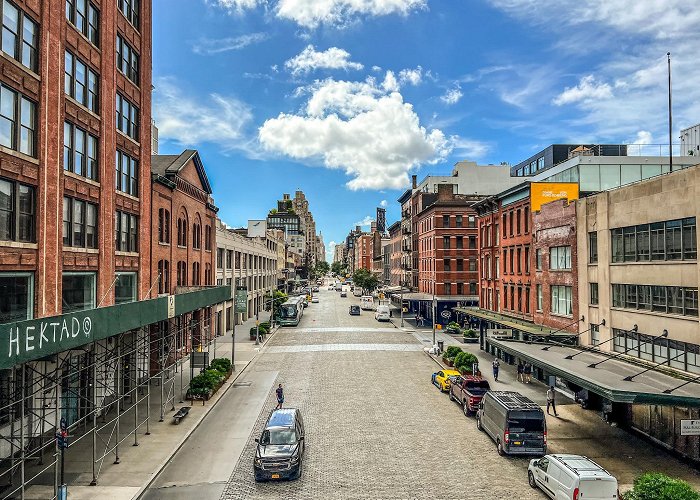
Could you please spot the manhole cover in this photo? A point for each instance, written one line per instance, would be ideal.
(242, 384)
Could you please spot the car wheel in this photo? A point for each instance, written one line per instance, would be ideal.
(531, 479)
(499, 448)
(452, 397)
(465, 409)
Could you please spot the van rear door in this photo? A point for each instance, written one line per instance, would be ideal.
(526, 432)
(599, 488)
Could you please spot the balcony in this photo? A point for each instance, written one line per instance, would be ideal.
(406, 267)
(405, 214)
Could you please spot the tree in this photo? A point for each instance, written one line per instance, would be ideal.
(365, 280)
(339, 268)
(322, 268)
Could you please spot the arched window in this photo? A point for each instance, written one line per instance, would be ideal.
(182, 273)
(164, 276)
(195, 274)
(197, 233)
(207, 274)
(182, 230)
(207, 237)
(163, 225)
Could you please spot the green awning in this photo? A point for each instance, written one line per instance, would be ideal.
(34, 339)
(511, 322)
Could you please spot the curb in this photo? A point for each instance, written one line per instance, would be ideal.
(180, 444)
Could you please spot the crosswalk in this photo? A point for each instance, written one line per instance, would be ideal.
(344, 347)
(345, 329)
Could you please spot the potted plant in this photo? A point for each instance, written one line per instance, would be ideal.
(464, 362)
(470, 336)
(453, 327)
(448, 357)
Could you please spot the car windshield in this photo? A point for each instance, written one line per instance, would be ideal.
(279, 437)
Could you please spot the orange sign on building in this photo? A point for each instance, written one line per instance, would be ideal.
(544, 192)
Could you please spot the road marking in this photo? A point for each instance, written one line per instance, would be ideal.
(347, 329)
(344, 347)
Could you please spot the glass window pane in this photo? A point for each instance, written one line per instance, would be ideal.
(650, 171)
(6, 210)
(631, 173)
(16, 298)
(609, 176)
(125, 288)
(590, 177)
(78, 292)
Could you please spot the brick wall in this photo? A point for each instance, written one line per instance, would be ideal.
(516, 284)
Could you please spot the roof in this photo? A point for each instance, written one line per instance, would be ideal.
(514, 400)
(282, 418)
(171, 165)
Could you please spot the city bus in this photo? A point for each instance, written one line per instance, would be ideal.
(291, 311)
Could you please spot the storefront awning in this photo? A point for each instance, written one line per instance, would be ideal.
(440, 298)
(608, 378)
(34, 339)
(511, 322)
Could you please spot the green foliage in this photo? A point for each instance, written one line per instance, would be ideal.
(278, 298)
(464, 361)
(273, 211)
(221, 364)
(657, 486)
(452, 351)
(322, 268)
(453, 324)
(365, 280)
(470, 333)
(205, 382)
(339, 268)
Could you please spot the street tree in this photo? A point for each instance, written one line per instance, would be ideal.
(339, 268)
(322, 268)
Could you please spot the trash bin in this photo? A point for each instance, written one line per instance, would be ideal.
(441, 345)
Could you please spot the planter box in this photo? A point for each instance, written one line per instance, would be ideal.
(207, 396)
(448, 362)
(470, 340)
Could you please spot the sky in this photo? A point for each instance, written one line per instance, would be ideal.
(346, 99)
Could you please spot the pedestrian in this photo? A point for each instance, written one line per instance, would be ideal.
(417, 319)
(521, 370)
(280, 397)
(550, 401)
(527, 372)
(496, 365)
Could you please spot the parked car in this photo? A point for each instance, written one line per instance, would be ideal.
(572, 476)
(280, 449)
(314, 299)
(382, 314)
(354, 310)
(442, 380)
(468, 391)
(514, 422)
(343, 294)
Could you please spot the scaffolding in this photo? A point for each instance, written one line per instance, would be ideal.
(101, 392)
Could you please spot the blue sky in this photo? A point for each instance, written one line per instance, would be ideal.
(345, 99)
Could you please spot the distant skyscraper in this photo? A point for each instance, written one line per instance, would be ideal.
(381, 220)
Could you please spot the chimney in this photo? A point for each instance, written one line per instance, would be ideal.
(445, 191)
(414, 181)
(357, 229)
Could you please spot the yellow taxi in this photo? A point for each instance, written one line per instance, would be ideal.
(441, 379)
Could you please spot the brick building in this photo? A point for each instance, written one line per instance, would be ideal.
(363, 252)
(488, 222)
(516, 283)
(553, 303)
(395, 271)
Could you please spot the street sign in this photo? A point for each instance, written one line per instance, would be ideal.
(63, 424)
(690, 427)
(446, 314)
(171, 306)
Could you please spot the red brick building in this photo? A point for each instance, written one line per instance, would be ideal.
(488, 222)
(516, 281)
(363, 252)
(554, 301)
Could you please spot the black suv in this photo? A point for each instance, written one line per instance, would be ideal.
(280, 448)
(354, 310)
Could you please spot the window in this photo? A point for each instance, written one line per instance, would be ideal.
(617, 246)
(527, 260)
(538, 259)
(690, 239)
(207, 237)
(472, 264)
(446, 242)
(560, 258)
(517, 222)
(195, 274)
(125, 288)
(86, 19)
(164, 276)
(663, 299)
(561, 300)
(446, 265)
(17, 297)
(229, 259)
(504, 225)
(472, 242)
(208, 276)
(220, 258)
(447, 288)
(594, 294)
(445, 221)
(497, 269)
(526, 219)
(519, 260)
(127, 118)
(593, 247)
(127, 174)
(163, 225)
(197, 236)
(460, 242)
(182, 273)
(79, 151)
(127, 60)
(17, 212)
(458, 223)
(595, 334)
(130, 9)
(460, 266)
(79, 223)
(669, 240)
(20, 36)
(538, 291)
(126, 232)
(78, 292)
(181, 232)
(17, 122)
(81, 83)
(472, 288)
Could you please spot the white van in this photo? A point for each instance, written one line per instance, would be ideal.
(383, 313)
(367, 302)
(572, 476)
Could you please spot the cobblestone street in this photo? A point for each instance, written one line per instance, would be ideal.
(375, 426)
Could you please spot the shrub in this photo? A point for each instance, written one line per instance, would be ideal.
(470, 333)
(464, 361)
(657, 486)
(451, 352)
(221, 364)
(453, 324)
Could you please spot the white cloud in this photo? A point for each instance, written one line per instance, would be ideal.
(469, 148)
(208, 46)
(452, 96)
(366, 222)
(643, 137)
(588, 89)
(412, 76)
(383, 203)
(182, 118)
(312, 13)
(309, 60)
(376, 69)
(390, 84)
(363, 128)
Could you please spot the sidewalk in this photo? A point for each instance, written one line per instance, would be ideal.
(142, 454)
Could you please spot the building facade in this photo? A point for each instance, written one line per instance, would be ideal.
(396, 254)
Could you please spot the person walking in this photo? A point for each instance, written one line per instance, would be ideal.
(280, 397)
(496, 365)
(551, 394)
(521, 370)
(527, 373)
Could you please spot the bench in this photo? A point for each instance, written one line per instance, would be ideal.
(181, 413)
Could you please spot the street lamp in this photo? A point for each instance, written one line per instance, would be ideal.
(434, 311)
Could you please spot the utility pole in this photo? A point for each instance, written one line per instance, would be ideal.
(402, 306)
(670, 117)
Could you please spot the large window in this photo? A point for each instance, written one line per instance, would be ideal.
(446, 242)
(81, 83)
(593, 247)
(560, 258)
(207, 237)
(662, 299)
(78, 292)
(17, 122)
(195, 274)
(126, 232)
(181, 232)
(163, 276)
(127, 174)
(182, 273)
(16, 296)
(538, 291)
(130, 9)
(670, 240)
(127, 118)
(86, 19)
(163, 225)
(125, 288)
(79, 151)
(79, 223)
(20, 36)
(127, 60)
(17, 209)
(561, 300)
(594, 294)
